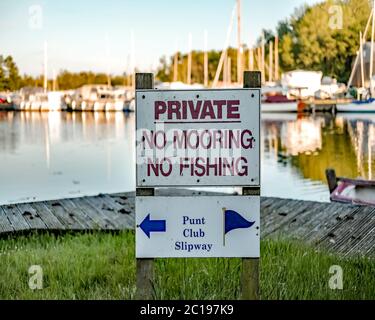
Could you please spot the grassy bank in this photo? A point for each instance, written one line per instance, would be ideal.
(102, 266)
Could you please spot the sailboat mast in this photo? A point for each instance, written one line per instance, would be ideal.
(108, 59)
(276, 58)
(132, 58)
(361, 55)
(189, 60)
(222, 57)
(263, 60)
(357, 57)
(225, 69)
(229, 72)
(175, 70)
(45, 66)
(205, 59)
(239, 53)
(54, 80)
(270, 71)
(251, 59)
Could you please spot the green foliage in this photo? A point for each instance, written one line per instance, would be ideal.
(9, 75)
(308, 42)
(102, 266)
(10, 79)
(71, 80)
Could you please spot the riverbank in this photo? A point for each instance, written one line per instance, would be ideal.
(102, 266)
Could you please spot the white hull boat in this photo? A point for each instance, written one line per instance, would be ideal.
(358, 106)
(279, 106)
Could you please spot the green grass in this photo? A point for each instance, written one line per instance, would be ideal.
(102, 266)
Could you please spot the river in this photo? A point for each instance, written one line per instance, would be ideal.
(51, 155)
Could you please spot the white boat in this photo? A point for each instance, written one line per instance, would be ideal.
(279, 106)
(35, 99)
(99, 98)
(301, 83)
(357, 106)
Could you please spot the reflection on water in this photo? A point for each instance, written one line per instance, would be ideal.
(297, 150)
(54, 155)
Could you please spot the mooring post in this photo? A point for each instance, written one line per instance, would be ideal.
(250, 266)
(145, 267)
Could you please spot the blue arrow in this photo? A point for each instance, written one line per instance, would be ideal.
(149, 225)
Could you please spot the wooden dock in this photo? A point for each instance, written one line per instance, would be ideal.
(341, 228)
(323, 105)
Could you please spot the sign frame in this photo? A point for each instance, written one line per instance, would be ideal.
(210, 226)
(248, 183)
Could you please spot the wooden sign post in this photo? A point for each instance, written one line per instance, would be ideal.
(145, 267)
(188, 138)
(250, 266)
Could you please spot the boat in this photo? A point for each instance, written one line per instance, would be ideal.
(367, 105)
(354, 191)
(301, 83)
(100, 98)
(279, 103)
(5, 103)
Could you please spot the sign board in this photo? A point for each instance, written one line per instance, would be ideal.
(204, 226)
(198, 137)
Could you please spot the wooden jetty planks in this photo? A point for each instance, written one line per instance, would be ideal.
(5, 225)
(342, 228)
(77, 215)
(325, 220)
(48, 217)
(124, 207)
(32, 216)
(106, 222)
(63, 215)
(15, 218)
(97, 220)
(115, 210)
(347, 234)
(282, 218)
(302, 222)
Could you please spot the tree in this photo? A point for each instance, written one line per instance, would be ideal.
(9, 76)
(308, 42)
(2, 75)
(164, 71)
(13, 79)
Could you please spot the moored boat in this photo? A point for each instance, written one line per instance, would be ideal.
(355, 191)
(279, 103)
(357, 106)
(5, 103)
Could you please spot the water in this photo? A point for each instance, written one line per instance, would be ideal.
(55, 155)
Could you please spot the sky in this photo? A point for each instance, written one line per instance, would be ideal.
(97, 35)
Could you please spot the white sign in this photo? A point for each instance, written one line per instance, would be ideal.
(205, 226)
(198, 137)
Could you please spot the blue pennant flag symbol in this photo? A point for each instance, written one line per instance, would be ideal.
(233, 220)
(149, 226)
